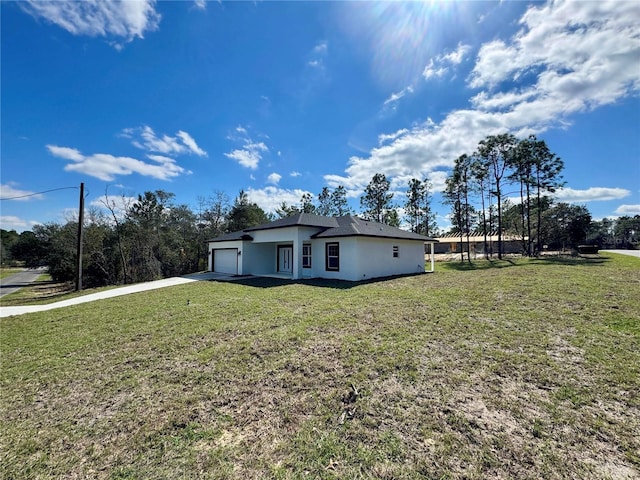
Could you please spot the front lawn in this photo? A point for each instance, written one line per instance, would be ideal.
(525, 369)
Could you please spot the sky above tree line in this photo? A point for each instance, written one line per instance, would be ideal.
(283, 98)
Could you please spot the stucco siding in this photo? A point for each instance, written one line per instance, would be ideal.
(360, 257)
(258, 259)
(375, 257)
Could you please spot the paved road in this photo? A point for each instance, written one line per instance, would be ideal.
(15, 282)
(633, 253)
(116, 292)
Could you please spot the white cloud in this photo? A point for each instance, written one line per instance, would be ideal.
(383, 138)
(66, 153)
(270, 198)
(191, 143)
(200, 4)
(106, 167)
(250, 154)
(440, 65)
(398, 95)
(145, 138)
(457, 56)
(295, 174)
(11, 222)
(274, 178)
(321, 48)
(574, 45)
(432, 70)
(113, 19)
(628, 210)
(317, 56)
(576, 56)
(9, 191)
(592, 194)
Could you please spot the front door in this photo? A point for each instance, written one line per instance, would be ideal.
(285, 259)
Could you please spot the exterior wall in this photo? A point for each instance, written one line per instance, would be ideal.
(376, 257)
(361, 258)
(259, 259)
(348, 259)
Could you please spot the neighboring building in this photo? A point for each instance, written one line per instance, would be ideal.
(450, 243)
(313, 246)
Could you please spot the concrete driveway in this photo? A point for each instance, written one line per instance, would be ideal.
(116, 292)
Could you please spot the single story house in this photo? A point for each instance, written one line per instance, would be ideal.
(313, 246)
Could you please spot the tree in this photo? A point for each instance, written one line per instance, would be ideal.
(324, 206)
(376, 200)
(28, 248)
(601, 233)
(306, 203)
(118, 231)
(339, 204)
(211, 222)
(145, 219)
(566, 225)
(456, 194)
(245, 214)
(391, 218)
(546, 177)
(480, 184)
(286, 210)
(522, 163)
(58, 246)
(627, 230)
(418, 207)
(9, 237)
(413, 205)
(498, 152)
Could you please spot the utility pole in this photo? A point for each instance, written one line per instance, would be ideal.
(79, 250)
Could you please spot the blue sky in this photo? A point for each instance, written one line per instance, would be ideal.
(283, 98)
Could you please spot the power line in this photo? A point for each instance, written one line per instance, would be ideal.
(38, 193)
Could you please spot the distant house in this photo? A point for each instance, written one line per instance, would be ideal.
(450, 243)
(313, 246)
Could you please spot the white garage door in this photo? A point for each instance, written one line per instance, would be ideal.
(225, 260)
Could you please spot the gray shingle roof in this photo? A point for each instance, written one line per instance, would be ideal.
(354, 226)
(332, 227)
(298, 220)
(241, 235)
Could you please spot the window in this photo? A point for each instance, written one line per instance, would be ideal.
(306, 255)
(333, 256)
(395, 251)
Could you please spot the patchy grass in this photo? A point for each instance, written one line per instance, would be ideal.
(524, 369)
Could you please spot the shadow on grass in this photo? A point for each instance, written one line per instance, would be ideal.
(268, 282)
(580, 260)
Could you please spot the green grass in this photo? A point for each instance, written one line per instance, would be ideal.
(524, 369)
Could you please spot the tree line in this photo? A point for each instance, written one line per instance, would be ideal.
(153, 236)
(481, 183)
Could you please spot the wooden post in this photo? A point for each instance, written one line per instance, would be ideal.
(79, 249)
